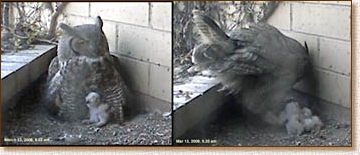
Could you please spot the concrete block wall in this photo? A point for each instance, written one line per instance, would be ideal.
(139, 33)
(325, 26)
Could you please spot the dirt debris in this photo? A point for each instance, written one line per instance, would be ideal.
(231, 129)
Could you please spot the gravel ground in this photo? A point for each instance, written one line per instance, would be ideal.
(231, 129)
(29, 124)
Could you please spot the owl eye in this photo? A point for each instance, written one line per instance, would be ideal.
(78, 45)
(82, 43)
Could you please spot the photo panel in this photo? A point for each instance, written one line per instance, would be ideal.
(262, 73)
(86, 73)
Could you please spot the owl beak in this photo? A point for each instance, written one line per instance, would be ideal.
(94, 50)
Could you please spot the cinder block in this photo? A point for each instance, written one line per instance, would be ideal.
(160, 82)
(334, 87)
(312, 42)
(79, 20)
(127, 12)
(335, 55)
(326, 20)
(161, 16)
(149, 103)
(340, 2)
(146, 44)
(331, 2)
(135, 74)
(335, 112)
(281, 16)
(109, 29)
(77, 8)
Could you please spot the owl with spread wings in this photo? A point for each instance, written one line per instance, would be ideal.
(257, 64)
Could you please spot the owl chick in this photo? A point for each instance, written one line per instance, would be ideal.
(311, 123)
(291, 108)
(300, 120)
(293, 118)
(99, 113)
(294, 126)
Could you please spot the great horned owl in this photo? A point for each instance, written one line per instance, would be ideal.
(83, 65)
(258, 63)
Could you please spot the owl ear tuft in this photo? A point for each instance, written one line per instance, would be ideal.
(99, 22)
(66, 28)
(69, 30)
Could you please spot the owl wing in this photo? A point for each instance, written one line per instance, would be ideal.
(284, 61)
(222, 54)
(112, 84)
(50, 97)
(208, 28)
(53, 68)
(73, 89)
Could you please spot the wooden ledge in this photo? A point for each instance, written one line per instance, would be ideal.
(20, 69)
(193, 102)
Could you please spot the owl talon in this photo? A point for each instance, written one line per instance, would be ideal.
(87, 121)
(227, 91)
(222, 89)
(100, 124)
